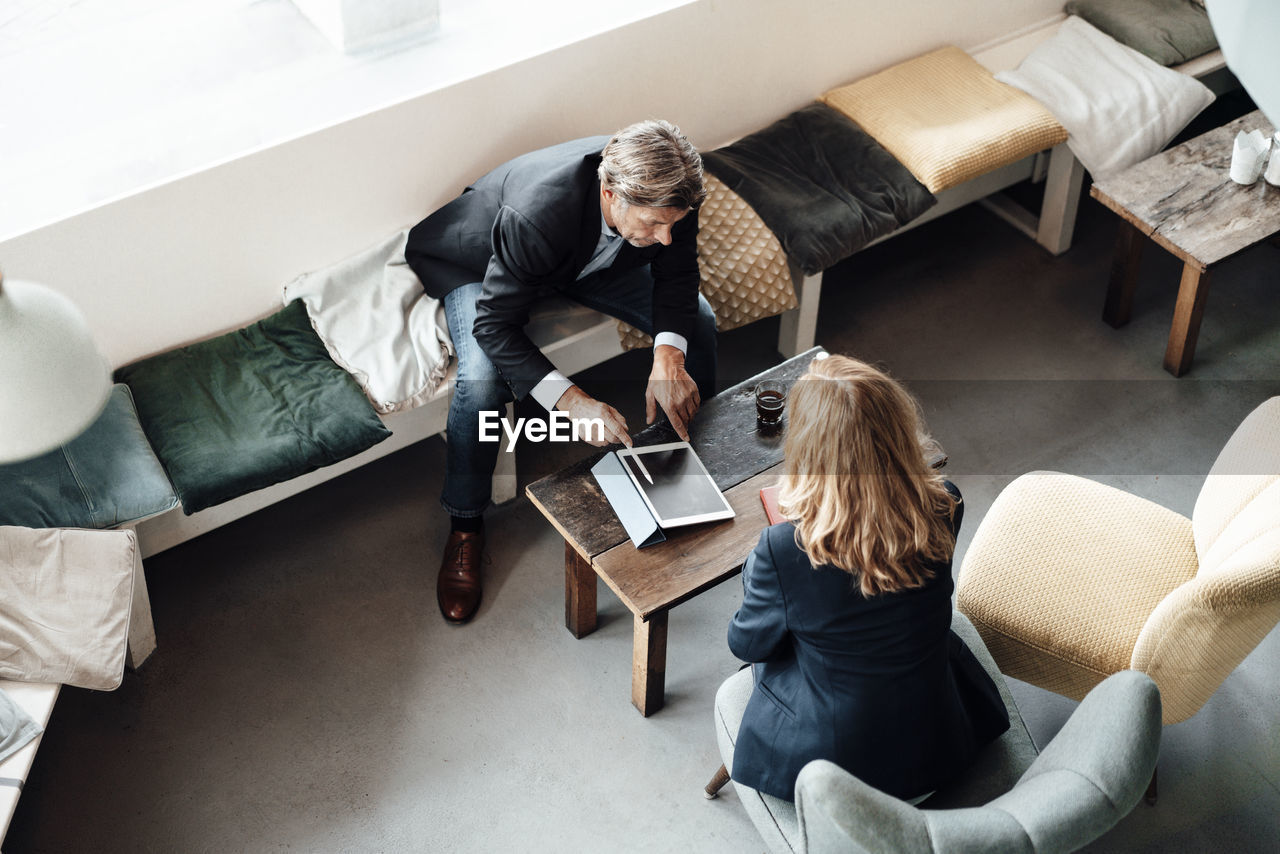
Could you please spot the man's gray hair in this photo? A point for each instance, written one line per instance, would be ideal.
(650, 164)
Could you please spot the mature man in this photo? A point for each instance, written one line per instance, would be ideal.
(608, 222)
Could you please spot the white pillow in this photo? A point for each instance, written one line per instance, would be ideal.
(1118, 106)
(66, 596)
(378, 323)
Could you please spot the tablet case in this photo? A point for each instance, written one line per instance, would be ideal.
(625, 499)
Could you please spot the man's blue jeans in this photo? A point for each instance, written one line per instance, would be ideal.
(469, 462)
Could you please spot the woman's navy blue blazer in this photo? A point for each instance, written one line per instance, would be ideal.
(881, 686)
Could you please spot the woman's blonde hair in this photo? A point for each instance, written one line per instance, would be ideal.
(858, 486)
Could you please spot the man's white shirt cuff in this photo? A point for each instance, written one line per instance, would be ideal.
(675, 339)
(551, 388)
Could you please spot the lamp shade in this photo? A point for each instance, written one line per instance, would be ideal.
(1248, 32)
(53, 380)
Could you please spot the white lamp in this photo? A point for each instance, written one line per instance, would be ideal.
(53, 380)
(1248, 32)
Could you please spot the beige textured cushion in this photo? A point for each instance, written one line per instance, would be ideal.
(1205, 628)
(1201, 632)
(1063, 573)
(745, 274)
(946, 118)
(65, 602)
(1247, 467)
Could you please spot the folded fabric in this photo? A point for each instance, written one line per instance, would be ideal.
(823, 186)
(378, 323)
(106, 476)
(1166, 31)
(65, 602)
(249, 409)
(16, 727)
(1118, 106)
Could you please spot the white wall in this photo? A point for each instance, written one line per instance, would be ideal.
(210, 252)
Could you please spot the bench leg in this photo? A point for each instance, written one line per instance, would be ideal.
(1186, 319)
(142, 632)
(1124, 275)
(649, 663)
(800, 325)
(1061, 200)
(579, 593)
(504, 474)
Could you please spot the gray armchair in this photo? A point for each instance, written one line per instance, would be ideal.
(1088, 777)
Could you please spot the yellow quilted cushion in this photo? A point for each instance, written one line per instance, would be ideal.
(946, 118)
(745, 273)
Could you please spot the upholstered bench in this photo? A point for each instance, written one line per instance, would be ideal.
(950, 122)
(108, 477)
(940, 122)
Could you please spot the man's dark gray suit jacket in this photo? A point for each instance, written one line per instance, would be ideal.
(526, 230)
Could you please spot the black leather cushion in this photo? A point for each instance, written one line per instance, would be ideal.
(821, 184)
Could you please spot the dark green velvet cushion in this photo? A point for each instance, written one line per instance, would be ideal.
(250, 408)
(106, 476)
(1167, 31)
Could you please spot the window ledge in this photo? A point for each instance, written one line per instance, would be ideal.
(135, 93)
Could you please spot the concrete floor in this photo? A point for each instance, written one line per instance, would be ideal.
(306, 694)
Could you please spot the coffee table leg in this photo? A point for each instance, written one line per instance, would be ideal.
(1186, 319)
(579, 593)
(649, 663)
(1124, 275)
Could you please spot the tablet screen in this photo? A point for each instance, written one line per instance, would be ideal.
(681, 491)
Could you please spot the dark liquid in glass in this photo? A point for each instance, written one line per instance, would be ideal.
(769, 406)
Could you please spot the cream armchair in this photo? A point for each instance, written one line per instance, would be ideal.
(1069, 581)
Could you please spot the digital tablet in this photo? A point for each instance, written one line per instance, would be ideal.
(674, 484)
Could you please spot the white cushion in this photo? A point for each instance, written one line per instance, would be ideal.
(1118, 106)
(378, 323)
(65, 601)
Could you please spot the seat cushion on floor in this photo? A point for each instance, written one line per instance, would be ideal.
(106, 476)
(1166, 31)
(1118, 105)
(65, 601)
(251, 408)
(946, 118)
(1039, 581)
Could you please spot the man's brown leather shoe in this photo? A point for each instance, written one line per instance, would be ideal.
(458, 585)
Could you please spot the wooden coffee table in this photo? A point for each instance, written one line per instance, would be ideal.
(652, 581)
(1185, 201)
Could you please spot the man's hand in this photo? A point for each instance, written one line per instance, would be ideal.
(671, 387)
(581, 405)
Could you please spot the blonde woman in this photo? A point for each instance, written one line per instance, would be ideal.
(846, 608)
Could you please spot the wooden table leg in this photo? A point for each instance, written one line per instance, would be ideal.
(1124, 275)
(649, 663)
(579, 593)
(1186, 319)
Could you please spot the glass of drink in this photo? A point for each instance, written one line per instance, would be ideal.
(771, 400)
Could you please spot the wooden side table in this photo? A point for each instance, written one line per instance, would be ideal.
(1185, 201)
(652, 581)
